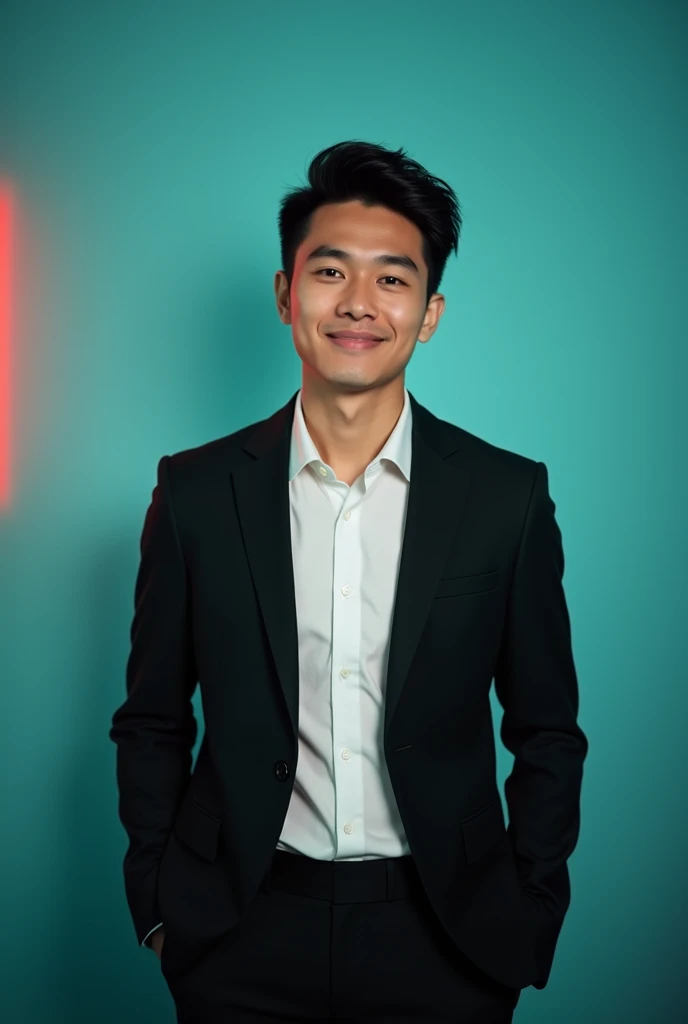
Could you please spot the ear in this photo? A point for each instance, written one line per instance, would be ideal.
(282, 297)
(434, 311)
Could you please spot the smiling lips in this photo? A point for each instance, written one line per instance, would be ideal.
(356, 335)
(354, 339)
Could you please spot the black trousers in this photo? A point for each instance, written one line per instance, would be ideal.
(323, 941)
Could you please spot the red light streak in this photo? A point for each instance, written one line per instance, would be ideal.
(6, 290)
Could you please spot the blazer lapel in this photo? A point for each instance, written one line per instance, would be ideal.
(437, 493)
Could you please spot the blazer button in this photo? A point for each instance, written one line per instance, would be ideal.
(282, 770)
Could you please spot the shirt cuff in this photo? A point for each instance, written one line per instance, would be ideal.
(145, 941)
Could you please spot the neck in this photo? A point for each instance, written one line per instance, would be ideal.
(350, 429)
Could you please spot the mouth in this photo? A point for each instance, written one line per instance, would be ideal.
(354, 340)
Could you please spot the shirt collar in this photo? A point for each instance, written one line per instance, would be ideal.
(397, 448)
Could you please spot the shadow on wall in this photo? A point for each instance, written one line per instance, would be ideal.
(94, 967)
(240, 355)
(99, 973)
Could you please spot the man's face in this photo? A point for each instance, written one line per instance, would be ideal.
(355, 291)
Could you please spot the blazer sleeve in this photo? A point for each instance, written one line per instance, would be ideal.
(537, 687)
(155, 728)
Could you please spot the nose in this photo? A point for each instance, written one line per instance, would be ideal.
(357, 300)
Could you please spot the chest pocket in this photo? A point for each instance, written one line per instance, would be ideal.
(457, 585)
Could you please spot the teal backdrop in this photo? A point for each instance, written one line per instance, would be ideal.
(148, 145)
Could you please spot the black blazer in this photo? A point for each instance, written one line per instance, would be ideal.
(479, 597)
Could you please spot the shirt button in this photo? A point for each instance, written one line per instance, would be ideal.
(347, 515)
(346, 753)
(344, 672)
(323, 471)
(346, 590)
(348, 828)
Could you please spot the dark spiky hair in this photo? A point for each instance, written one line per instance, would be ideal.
(375, 176)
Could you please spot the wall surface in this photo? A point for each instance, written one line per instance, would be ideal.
(147, 146)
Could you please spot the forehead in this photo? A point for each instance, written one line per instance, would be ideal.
(364, 229)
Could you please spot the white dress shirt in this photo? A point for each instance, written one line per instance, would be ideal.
(346, 550)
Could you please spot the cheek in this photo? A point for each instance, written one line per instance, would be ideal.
(309, 306)
(403, 316)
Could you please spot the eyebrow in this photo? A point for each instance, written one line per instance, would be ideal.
(385, 259)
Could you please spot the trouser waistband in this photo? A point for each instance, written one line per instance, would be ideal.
(360, 881)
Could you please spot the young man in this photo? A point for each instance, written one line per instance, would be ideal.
(344, 580)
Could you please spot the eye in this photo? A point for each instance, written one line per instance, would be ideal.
(387, 277)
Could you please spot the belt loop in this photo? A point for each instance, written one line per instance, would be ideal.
(389, 864)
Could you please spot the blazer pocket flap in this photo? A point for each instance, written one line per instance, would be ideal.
(467, 584)
(197, 829)
(482, 831)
